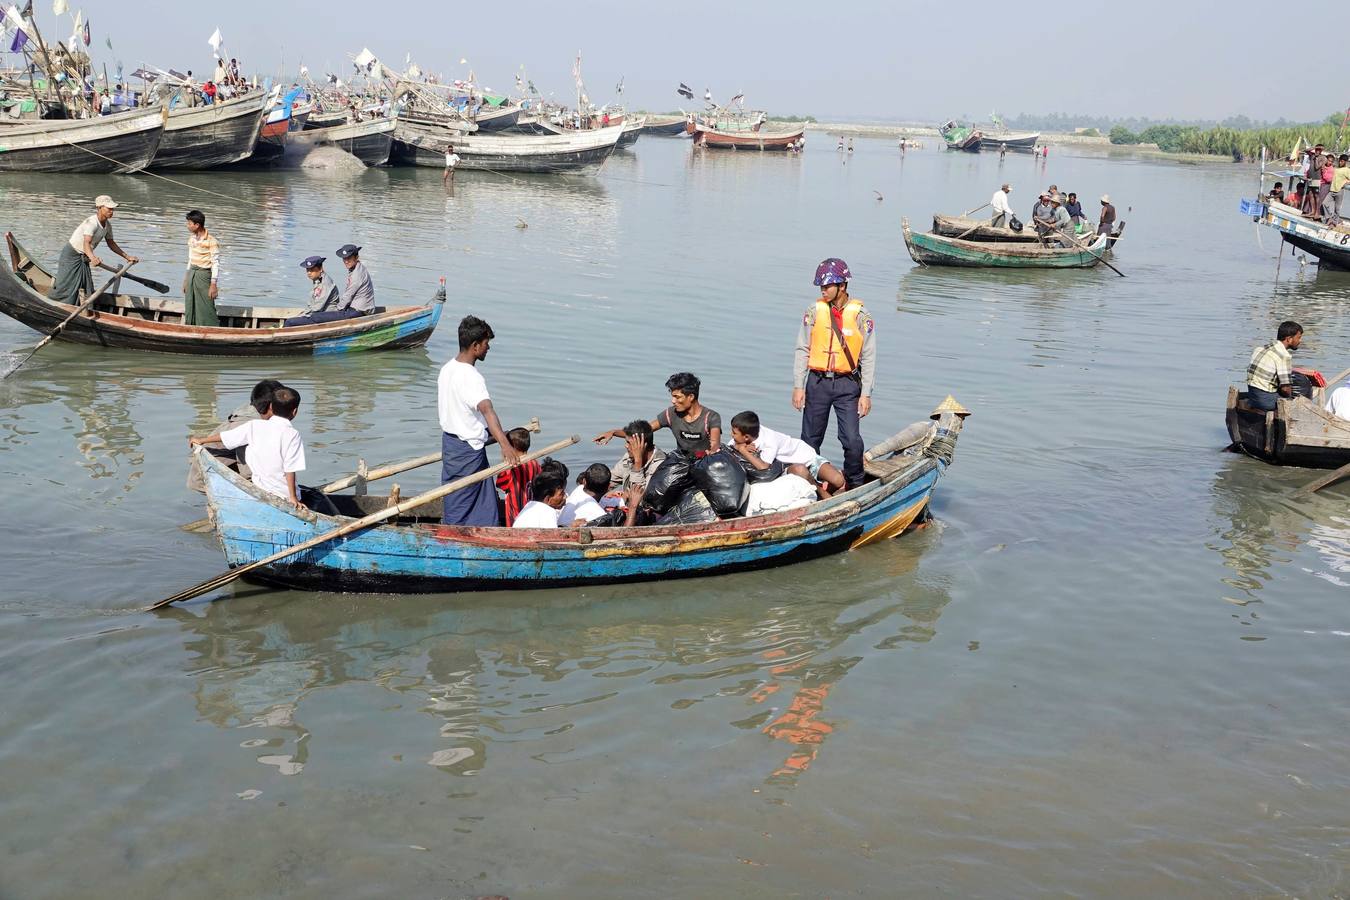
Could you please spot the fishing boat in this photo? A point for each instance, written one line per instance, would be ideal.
(666, 126)
(326, 118)
(961, 137)
(117, 144)
(1299, 432)
(631, 132)
(746, 132)
(938, 250)
(1329, 245)
(570, 153)
(1000, 136)
(202, 137)
(300, 114)
(417, 554)
(130, 322)
(370, 141)
(980, 230)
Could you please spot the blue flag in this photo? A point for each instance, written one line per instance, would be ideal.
(19, 40)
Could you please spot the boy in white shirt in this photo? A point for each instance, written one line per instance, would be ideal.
(761, 446)
(583, 504)
(547, 496)
(275, 449)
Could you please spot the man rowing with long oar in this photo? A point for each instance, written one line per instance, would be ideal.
(73, 268)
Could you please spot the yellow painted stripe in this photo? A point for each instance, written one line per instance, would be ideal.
(891, 527)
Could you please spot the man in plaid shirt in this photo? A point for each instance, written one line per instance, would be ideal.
(1268, 375)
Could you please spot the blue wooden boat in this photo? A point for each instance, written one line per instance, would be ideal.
(419, 555)
(152, 323)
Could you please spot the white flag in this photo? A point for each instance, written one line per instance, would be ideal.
(59, 7)
(215, 40)
(304, 71)
(13, 17)
(364, 58)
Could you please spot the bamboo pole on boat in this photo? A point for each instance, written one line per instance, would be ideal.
(70, 318)
(358, 525)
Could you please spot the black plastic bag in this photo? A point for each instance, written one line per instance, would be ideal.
(669, 482)
(755, 476)
(1015, 224)
(722, 479)
(693, 509)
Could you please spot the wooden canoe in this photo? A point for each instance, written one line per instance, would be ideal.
(370, 141)
(956, 226)
(117, 144)
(150, 323)
(666, 126)
(203, 137)
(936, 250)
(419, 555)
(1299, 432)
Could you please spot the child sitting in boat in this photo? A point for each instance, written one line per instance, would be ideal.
(515, 483)
(548, 493)
(761, 447)
(275, 449)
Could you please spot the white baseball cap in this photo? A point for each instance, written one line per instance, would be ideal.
(103, 200)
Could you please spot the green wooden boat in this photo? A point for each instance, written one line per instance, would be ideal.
(939, 250)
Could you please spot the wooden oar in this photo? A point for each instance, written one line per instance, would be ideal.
(346, 481)
(148, 282)
(1100, 259)
(971, 211)
(358, 525)
(70, 318)
(1309, 489)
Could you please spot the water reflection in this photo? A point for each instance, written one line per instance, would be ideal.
(559, 671)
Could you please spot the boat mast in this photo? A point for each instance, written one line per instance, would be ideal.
(47, 61)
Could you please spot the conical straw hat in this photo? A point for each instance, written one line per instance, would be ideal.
(950, 406)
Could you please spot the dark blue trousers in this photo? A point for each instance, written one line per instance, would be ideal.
(473, 505)
(315, 318)
(840, 394)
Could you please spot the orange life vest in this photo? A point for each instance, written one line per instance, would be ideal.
(826, 355)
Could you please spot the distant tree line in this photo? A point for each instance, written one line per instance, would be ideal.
(1224, 140)
(1070, 122)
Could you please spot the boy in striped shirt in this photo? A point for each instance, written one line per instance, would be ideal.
(199, 284)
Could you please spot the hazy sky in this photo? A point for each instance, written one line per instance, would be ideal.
(854, 59)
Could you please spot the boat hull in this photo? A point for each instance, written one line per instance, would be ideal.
(957, 226)
(129, 322)
(629, 137)
(707, 136)
(676, 126)
(1299, 432)
(431, 558)
(371, 141)
(1023, 142)
(936, 250)
(502, 119)
(1329, 246)
(208, 136)
(108, 145)
(572, 153)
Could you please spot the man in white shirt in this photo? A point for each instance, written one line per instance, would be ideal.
(1002, 209)
(761, 447)
(467, 420)
(548, 495)
(1338, 404)
(583, 504)
(275, 449)
(451, 160)
(74, 267)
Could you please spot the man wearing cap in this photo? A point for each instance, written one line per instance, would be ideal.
(73, 267)
(1041, 212)
(322, 297)
(834, 367)
(1108, 219)
(999, 203)
(357, 297)
(1061, 221)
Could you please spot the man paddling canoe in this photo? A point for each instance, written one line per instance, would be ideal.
(73, 268)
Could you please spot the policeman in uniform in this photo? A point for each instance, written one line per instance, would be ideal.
(835, 366)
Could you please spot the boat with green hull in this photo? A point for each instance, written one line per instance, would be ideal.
(939, 250)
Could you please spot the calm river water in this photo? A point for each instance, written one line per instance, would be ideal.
(1114, 664)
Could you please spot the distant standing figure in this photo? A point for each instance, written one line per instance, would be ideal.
(850, 145)
(1002, 209)
(1002, 150)
(841, 144)
(1106, 224)
(1340, 177)
(451, 160)
(203, 272)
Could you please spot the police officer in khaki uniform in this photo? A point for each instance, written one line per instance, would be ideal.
(835, 366)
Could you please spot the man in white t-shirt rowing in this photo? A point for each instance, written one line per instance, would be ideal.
(276, 452)
(761, 447)
(467, 420)
(79, 254)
